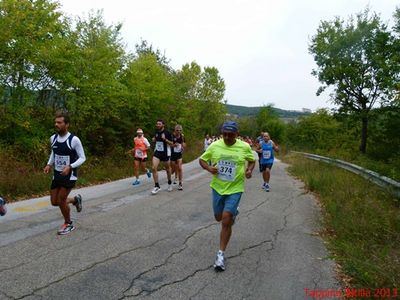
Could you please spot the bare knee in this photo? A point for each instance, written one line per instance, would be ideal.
(62, 200)
(226, 221)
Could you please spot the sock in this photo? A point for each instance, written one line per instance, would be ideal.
(157, 185)
(220, 252)
(169, 181)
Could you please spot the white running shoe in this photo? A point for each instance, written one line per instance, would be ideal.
(155, 190)
(266, 187)
(169, 189)
(65, 229)
(219, 264)
(180, 187)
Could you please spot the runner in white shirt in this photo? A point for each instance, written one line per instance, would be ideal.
(66, 156)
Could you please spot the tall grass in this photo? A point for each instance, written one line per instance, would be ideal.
(361, 221)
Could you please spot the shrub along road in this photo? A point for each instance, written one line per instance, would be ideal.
(130, 244)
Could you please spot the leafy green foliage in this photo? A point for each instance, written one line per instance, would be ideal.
(358, 59)
(268, 121)
(385, 138)
(335, 135)
(319, 131)
(30, 29)
(151, 91)
(50, 63)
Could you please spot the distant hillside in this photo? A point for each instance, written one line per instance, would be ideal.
(244, 111)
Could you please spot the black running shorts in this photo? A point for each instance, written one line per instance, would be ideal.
(161, 156)
(265, 166)
(176, 156)
(68, 184)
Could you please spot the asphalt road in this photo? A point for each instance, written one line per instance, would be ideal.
(130, 244)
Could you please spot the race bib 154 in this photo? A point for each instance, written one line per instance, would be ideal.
(60, 161)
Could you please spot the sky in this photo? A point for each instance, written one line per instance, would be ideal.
(260, 47)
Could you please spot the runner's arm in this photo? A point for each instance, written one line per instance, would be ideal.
(258, 148)
(249, 169)
(146, 142)
(50, 162)
(77, 145)
(275, 147)
(250, 166)
(183, 142)
(168, 139)
(206, 166)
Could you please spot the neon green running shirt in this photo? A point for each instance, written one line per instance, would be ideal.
(230, 161)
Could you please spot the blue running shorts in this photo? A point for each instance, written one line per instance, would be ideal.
(223, 203)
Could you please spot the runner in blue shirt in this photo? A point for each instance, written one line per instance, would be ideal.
(266, 149)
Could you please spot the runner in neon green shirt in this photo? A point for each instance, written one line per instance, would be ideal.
(228, 158)
(230, 162)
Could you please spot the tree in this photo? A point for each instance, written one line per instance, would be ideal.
(248, 126)
(30, 31)
(316, 132)
(150, 91)
(268, 120)
(186, 81)
(357, 59)
(385, 138)
(199, 97)
(144, 48)
(89, 71)
(211, 92)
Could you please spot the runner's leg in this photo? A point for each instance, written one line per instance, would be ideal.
(136, 168)
(64, 202)
(54, 197)
(143, 166)
(179, 170)
(167, 165)
(266, 175)
(226, 229)
(155, 163)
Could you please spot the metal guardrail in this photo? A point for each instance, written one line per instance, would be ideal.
(383, 181)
